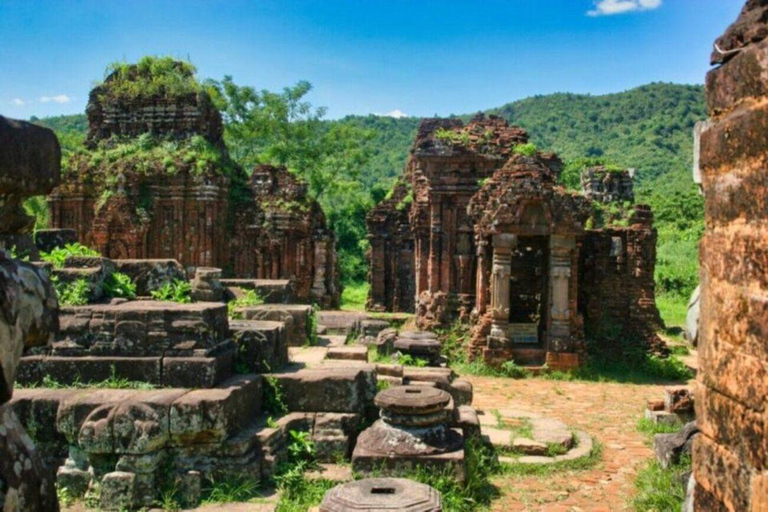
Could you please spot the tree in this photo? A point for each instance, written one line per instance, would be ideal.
(285, 129)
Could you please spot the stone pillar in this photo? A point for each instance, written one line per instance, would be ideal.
(500, 275)
(435, 236)
(481, 288)
(560, 276)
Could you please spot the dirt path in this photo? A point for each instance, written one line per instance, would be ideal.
(607, 411)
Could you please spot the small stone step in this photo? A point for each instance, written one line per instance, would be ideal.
(348, 353)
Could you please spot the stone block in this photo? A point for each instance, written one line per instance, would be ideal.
(151, 274)
(212, 415)
(382, 494)
(348, 353)
(663, 418)
(468, 421)
(273, 291)
(74, 410)
(296, 318)
(670, 447)
(261, 344)
(117, 491)
(740, 78)
(68, 370)
(48, 239)
(462, 392)
(74, 480)
(347, 389)
(198, 372)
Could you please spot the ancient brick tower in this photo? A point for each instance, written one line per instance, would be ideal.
(479, 229)
(730, 459)
(156, 181)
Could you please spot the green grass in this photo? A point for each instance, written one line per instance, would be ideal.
(650, 428)
(673, 309)
(231, 489)
(354, 296)
(543, 470)
(660, 489)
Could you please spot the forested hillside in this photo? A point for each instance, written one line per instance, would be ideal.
(648, 128)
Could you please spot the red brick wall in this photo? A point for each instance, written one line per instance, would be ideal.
(731, 457)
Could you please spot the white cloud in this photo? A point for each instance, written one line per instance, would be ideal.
(18, 102)
(61, 98)
(609, 7)
(397, 114)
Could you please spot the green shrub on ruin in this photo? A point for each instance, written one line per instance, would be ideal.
(120, 285)
(174, 291)
(75, 293)
(150, 77)
(58, 256)
(249, 298)
(148, 155)
(528, 149)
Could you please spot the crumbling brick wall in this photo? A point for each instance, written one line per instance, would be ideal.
(616, 282)
(730, 458)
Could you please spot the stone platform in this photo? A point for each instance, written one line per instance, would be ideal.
(298, 319)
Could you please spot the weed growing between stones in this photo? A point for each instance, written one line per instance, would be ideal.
(650, 428)
(174, 291)
(112, 382)
(231, 488)
(120, 285)
(59, 255)
(659, 488)
(312, 327)
(274, 398)
(249, 298)
(75, 293)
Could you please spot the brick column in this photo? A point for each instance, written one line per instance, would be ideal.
(500, 275)
(730, 458)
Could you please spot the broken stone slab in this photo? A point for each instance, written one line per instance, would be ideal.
(151, 274)
(551, 431)
(343, 389)
(261, 344)
(371, 327)
(382, 494)
(528, 446)
(678, 400)
(468, 422)
(206, 285)
(384, 341)
(145, 328)
(350, 353)
(670, 447)
(48, 239)
(339, 322)
(273, 291)
(663, 418)
(296, 318)
(212, 415)
(69, 370)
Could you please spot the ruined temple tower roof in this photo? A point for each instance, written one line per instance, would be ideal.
(483, 135)
(158, 95)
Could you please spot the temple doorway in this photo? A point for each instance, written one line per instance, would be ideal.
(529, 284)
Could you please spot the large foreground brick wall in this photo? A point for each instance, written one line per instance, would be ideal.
(731, 457)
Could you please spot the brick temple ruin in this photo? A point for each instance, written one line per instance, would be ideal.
(476, 232)
(203, 214)
(730, 458)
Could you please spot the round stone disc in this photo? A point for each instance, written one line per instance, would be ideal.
(380, 494)
(414, 400)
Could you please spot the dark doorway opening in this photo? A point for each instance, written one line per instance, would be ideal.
(528, 289)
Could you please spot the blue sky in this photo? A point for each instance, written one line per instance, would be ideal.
(422, 57)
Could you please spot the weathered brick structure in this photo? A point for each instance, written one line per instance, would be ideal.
(448, 161)
(287, 236)
(730, 458)
(537, 267)
(178, 195)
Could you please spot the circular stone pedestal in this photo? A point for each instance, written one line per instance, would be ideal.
(421, 344)
(412, 430)
(379, 494)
